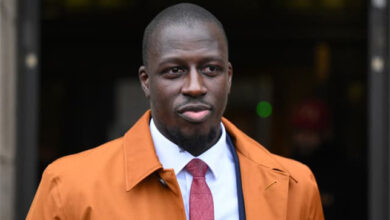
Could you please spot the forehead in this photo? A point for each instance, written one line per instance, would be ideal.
(200, 36)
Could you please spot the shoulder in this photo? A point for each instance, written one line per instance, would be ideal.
(89, 157)
(66, 183)
(257, 153)
(303, 190)
(303, 196)
(299, 171)
(87, 165)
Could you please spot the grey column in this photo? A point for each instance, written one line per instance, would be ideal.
(7, 107)
(378, 108)
(27, 104)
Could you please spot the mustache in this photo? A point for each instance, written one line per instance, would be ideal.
(194, 103)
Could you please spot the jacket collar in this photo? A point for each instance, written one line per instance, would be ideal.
(141, 160)
(265, 182)
(139, 154)
(252, 150)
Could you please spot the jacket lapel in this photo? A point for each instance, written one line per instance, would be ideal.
(265, 182)
(265, 190)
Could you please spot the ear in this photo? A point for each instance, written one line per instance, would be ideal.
(144, 80)
(230, 75)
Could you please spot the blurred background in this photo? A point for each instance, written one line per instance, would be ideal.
(310, 82)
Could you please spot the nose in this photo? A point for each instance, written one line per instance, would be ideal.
(194, 85)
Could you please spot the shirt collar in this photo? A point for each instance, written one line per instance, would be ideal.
(173, 157)
(141, 160)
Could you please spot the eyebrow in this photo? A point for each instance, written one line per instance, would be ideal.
(180, 60)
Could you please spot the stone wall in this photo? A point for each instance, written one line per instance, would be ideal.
(8, 74)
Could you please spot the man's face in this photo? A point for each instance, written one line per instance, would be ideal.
(187, 81)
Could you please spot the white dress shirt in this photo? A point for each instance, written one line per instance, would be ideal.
(220, 177)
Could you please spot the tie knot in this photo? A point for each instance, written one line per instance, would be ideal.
(197, 168)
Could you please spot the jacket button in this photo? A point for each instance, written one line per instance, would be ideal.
(162, 181)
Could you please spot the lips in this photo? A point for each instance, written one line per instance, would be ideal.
(194, 112)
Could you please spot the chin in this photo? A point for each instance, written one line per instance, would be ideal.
(193, 139)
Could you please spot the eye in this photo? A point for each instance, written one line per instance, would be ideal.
(176, 69)
(174, 72)
(211, 70)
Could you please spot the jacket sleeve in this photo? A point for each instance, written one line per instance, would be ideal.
(316, 211)
(47, 203)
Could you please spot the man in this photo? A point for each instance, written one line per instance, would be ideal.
(179, 161)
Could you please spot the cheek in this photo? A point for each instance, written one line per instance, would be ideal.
(222, 87)
(221, 97)
(162, 95)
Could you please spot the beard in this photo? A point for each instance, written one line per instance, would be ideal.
(195, 144)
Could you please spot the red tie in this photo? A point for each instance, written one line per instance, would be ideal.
(201, 200)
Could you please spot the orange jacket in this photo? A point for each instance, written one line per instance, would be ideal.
(121, 180)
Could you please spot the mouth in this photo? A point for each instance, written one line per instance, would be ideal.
(195, 113)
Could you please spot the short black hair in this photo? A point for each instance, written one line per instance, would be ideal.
(182, 13)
